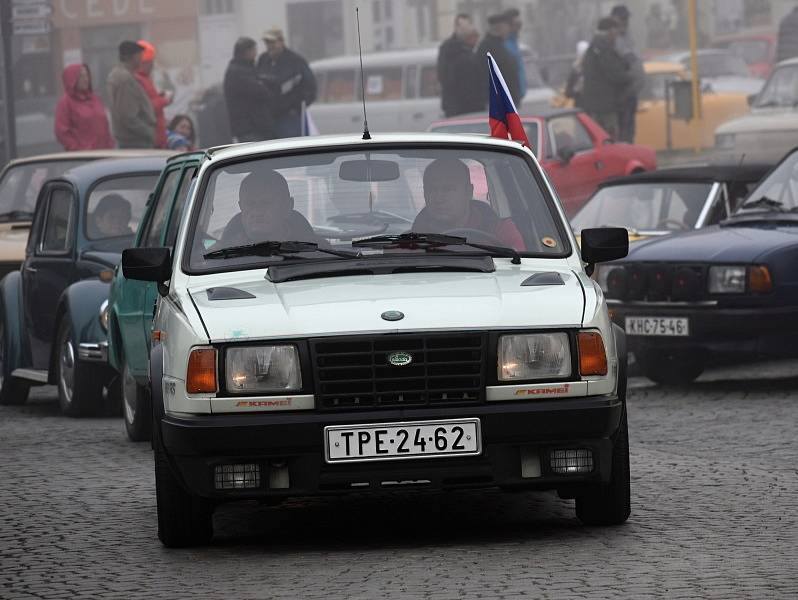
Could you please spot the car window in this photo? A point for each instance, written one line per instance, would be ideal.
(158, 214)
(645, 207)
(186, 186)
(780, 90)
(58, 222)
(383, 84)
(483, 128)
(568, 132)
(780, 186)
(21, 184)
(654, 86)
(430, 86)
(339, 86)
(115, 206)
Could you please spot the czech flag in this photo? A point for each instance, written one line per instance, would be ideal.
(504, 120)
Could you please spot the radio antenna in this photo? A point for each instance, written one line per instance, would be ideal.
(366, 134)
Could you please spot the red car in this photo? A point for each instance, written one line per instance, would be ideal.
(576, 153)
(756, 48)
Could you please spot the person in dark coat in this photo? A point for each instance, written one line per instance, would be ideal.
(293, 78)
(788, 36)
(461, 92)
(248, 98)
(493, 42)
(627, 114)
(606, 77)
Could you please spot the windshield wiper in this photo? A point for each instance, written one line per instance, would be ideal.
(272, 248)
(16, 215)
(434, 241)
(764, 202)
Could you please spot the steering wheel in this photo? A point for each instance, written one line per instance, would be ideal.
(676, 222)
(481, 236)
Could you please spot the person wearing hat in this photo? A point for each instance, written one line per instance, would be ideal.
(292, 76)
(248, 98)
(499, 28)
(159, 100)
(626, 48)
(132, 115)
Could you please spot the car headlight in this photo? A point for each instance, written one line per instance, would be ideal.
(727, 280)
(724, 141)
(263, 369)
(103, 316)
(534, 356)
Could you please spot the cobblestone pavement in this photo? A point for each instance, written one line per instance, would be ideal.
(714, 515)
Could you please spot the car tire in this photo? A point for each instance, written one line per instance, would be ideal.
(80, 387)
(671, 370)
(136, 410)
(13, 390)
(183, 520)
(609, 503)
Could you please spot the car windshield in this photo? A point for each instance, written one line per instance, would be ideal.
(654, 85)
(337, 199)
(21, 185)
(482, 127)
(778, 190)
(781, 90)
(115, 206)
(645, 207)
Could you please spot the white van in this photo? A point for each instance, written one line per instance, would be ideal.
(402, 92)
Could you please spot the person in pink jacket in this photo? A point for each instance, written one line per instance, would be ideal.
(81, 122)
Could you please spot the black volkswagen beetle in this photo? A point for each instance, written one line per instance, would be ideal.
(725, 293)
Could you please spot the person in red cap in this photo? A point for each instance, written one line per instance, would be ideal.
(81, 122)
(159, 100)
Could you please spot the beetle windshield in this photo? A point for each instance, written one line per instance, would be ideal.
(335, 199)
(115, 206)
(781, 90)
(21, 185)
(645, 207)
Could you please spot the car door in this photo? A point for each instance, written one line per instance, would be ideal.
(48, 269)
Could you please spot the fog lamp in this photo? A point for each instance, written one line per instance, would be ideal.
(237, 477)
(571, 460)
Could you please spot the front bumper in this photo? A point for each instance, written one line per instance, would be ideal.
(93, 351)
(761, 331)
(515, 436)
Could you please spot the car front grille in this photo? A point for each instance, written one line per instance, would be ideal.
(355, 372)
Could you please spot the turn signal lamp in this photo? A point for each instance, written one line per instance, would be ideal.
(592, 357)
(201, 373)
(759, 279)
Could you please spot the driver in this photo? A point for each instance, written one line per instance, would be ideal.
(267, 214)
(112, 217)
(450, 206)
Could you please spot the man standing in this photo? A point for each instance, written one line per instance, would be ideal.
(627, 113)
(132, 115)
(159, 100)
(247, 97)
(513, 15)
(493, 42)
(606, 77)
(461, 92)
(294, 79)
(788, 36)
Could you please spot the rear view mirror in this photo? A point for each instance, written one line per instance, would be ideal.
(369, 170)
(148, 264)
(604, 244)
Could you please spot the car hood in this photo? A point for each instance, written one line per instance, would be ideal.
(729, 244)
(354, 304)
(13, 238)
(755, 123)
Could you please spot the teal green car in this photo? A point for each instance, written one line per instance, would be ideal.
(131, 303)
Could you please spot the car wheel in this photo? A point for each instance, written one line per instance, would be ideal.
(609, 503)
(183, 520)
(135, 407)
(13, 390)
(80, 387)
(668, 369)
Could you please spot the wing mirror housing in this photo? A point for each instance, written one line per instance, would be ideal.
(565, 154)
(603, 244)
(148, 264)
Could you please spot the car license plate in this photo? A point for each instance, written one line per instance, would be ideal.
(662, 326)
(394, 441)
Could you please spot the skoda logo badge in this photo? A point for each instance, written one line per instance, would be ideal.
(400, 359)
(392, 315)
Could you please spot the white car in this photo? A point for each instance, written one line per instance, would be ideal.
(344, 315)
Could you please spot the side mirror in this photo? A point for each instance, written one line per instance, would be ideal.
(604, 244)
(148, 264)
(565, 154)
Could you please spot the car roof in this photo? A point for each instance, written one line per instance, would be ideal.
(750, 173)
(656, 67)
(377, 59)
(90, 172)
(85, 155)
(788, 62)
(186, 157)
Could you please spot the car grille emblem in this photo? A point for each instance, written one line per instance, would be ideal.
(400, 359)
(392, 315)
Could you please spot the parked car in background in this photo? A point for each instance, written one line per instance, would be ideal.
(669, 200)
(756, 47)
(402, 91)
(719, 70)
(771, 130)
(54, 309)
(576, 153)
(131, 303)
(728, 292)
(717, 107)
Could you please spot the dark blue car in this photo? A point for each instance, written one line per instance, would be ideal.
(721, 294)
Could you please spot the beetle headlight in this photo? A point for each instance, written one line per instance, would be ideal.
(534, 356)
(263, 369)
(724, 141)
(727, 280)
(103, 316)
